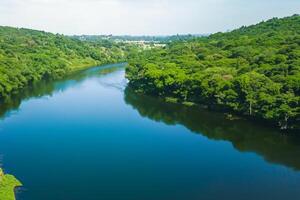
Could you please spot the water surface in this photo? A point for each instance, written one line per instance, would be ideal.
(89, 138)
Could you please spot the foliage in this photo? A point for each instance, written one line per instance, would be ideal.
(27, 56)
(7, 185)
(253, 70)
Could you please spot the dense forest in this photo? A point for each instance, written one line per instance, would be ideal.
(27, 56)
(254, 71)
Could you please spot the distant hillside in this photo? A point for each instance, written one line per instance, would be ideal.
(28, 55)
(254, 71)
(129, 38)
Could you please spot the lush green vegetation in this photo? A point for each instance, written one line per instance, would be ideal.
(253, 70)
(8, 183)
(27, 56)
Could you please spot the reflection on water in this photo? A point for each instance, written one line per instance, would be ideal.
(274, 146)
(87, 133)
(48, 87)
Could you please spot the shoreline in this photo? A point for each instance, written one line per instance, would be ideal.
(53, 78)
(8, 185)
(228, 114)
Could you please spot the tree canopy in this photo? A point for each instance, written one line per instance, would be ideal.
(27, 56)
(254, 71)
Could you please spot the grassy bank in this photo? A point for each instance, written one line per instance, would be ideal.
(8, 183)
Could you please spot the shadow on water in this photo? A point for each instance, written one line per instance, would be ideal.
(50, 87)
(245, 136)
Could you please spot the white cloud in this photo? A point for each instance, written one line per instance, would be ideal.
(140, 16)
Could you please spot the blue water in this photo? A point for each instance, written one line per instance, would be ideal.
(89, 138)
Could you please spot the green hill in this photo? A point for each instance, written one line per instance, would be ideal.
(28, 55)
(254, 71)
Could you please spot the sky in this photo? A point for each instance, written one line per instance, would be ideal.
(141, 17)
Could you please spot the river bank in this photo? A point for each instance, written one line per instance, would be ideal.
(8, 183)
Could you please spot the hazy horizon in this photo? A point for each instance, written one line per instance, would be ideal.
(140, 17)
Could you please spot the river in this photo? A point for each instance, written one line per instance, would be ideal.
(88, 137)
